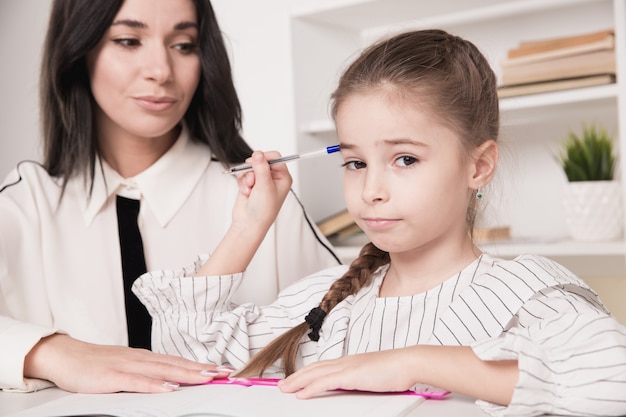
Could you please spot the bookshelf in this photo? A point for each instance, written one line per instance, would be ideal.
(526, 193)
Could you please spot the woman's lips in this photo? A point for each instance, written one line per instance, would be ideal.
(155, 103)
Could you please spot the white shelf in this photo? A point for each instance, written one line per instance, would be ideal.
(327, 34)
(557, 248)
(511, 249)
(376, 17)
(523, 108)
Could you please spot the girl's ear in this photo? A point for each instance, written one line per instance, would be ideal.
(483, 167)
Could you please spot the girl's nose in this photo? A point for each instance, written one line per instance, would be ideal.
(374, 189)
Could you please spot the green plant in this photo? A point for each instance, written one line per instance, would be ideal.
(588, 157)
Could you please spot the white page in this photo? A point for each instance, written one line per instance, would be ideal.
(168, 404)
(229, 401)
(261, 401)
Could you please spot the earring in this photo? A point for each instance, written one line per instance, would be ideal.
(479, 195)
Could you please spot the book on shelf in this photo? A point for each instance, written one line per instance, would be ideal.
(336, 223)
(554, 85)
(491, 234)
(578, 59)
(571, 66)
(555, 47)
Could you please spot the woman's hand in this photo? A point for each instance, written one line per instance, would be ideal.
(87, 368)
(262, 192)
(377, 371)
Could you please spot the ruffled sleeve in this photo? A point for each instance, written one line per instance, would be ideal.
(570, 363)
(194, 316)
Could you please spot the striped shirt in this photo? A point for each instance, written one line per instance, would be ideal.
(571, 352)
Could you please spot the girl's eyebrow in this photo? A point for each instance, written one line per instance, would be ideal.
(399, 141)
(404, 141)
(141, 25)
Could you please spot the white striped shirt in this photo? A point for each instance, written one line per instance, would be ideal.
(571, 352)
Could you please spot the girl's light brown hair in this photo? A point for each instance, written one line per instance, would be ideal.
(455, 81)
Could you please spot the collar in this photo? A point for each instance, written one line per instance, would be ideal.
(163, 187)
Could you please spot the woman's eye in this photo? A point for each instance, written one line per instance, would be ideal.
(186, 47)
(352, 165)
(405, 160)
(127, 42)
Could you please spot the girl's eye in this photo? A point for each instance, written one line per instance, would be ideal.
(127, 42)
(406, 160)
(186, 47)
(353, 165)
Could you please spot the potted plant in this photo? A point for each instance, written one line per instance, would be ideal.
(593, 198)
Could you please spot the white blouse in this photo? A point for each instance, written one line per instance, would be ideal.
(571, 352)
(60, 267)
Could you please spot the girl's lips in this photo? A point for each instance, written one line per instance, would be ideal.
(379, 223)
(154, 103)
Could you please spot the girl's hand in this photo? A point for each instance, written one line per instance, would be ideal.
(377, 371)
(87, 368)
(454, 368)
(262, 192)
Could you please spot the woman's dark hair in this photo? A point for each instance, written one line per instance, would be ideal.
(455, 82)
(68, 107)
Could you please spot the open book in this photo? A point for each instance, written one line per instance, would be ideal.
(227, 400)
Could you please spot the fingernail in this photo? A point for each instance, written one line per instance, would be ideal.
(170, 385)
(224, 369)
(208, 372)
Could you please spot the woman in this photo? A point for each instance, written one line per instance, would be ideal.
(139, 111)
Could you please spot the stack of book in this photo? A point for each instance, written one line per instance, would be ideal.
(558, 64)
(341, 229)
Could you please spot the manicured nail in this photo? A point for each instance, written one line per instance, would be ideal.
(170, 385)
(208, 372)
(224, 369)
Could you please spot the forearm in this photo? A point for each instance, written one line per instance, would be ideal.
(261, 195)
(234, 252)
(458, 369)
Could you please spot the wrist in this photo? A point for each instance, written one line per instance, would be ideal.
(36, 361)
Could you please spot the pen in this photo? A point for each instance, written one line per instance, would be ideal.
(326, 151)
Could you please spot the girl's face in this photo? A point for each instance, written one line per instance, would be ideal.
(146, 68)
(406, 179)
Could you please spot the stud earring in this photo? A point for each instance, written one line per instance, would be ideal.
(479, 195)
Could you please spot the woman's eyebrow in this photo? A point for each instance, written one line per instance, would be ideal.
(186, 25)
(130, 23)
(141, 25)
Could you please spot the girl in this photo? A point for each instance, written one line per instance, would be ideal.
(139, 110)
(417, 118)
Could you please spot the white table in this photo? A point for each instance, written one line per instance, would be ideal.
(12, 403)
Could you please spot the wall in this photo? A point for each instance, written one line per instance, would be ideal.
(22, 28)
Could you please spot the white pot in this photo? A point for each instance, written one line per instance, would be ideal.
(593, 210)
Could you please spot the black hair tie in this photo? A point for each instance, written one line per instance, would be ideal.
(315, 318)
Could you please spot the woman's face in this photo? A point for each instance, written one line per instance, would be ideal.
(146, 68)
